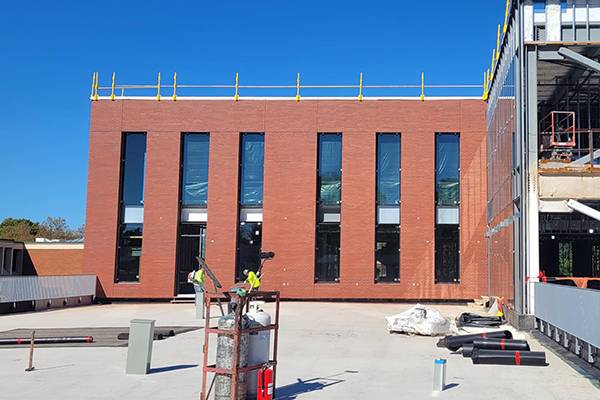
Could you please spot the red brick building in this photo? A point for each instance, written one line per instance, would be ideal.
(332, 239)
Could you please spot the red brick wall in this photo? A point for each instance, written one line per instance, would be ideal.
(54, 261)
(290, 191)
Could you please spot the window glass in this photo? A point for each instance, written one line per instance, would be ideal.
(330, 168)
(388, 169)
(252, 169)
(134, 165)
(447, 169)
(446, 254)
(328, 253)
(194, 191)
(249, 248)
(129, 252)
(387, 253)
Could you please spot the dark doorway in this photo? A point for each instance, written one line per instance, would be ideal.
(191, 243)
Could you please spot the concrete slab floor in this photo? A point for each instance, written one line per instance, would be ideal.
(327, 351)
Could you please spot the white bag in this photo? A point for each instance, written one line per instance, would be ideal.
(420, 320)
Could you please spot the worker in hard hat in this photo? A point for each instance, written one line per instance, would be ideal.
(197, 279)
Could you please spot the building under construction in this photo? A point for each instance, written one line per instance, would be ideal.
(363, 196)
(543, 122)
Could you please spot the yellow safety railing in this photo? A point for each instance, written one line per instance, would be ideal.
(116, 90)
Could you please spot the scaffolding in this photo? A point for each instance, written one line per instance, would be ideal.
(242, 305)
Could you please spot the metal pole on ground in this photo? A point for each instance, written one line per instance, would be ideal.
(31, 346)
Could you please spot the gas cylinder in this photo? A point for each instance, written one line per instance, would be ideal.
(259, 346)
(225, 358)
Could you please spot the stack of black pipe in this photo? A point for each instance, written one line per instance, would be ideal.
(496, 347)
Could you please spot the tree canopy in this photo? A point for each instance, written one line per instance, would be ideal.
(25, 230)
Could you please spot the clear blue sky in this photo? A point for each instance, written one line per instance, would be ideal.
(48, 51)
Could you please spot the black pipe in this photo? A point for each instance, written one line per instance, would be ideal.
(494, 344)
(125, 336)
(501, 344)
(454, 343)
(508, 357)
(467, 349)
(47, 340)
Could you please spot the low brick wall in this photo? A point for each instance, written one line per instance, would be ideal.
(53, 259)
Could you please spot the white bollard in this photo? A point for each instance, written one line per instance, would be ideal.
(439, 375)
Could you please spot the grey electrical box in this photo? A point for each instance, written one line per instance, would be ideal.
(139, 349)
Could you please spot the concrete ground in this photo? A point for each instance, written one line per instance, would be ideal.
(327, 351)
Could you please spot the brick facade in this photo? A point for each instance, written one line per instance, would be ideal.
(289, 191)
(53, 259)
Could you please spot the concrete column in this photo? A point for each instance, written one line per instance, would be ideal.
(553, 27)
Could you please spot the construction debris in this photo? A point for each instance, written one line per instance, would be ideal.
(419, 320)
(478, 321)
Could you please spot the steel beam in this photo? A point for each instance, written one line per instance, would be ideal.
(582, 208)
(580, 59)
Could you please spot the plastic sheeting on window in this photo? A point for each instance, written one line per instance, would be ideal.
(252, 169)
(195, 169)
(330, 168)
(388, 169)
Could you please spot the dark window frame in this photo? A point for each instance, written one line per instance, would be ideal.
(182, 166)
(241, 203)
(381, 228)
(323, 207)
(238, 271)
(120, 215)
(444, 277)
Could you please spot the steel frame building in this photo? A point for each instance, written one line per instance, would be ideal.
(543, 122)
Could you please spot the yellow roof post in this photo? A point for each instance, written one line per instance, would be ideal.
(485, 86)
(506, 16)
(360, 87)
(174, 86)
(158, 88)
(236, 97)
(93, 85)
(498, 44)
(493, 63)
(96, 87)
(298, 87)
(422, 86)
(112, 88)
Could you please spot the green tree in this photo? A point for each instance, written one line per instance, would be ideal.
(57, 228)
(20, 229)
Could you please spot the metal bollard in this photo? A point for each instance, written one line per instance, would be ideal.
(199, 297)
(439, 375)
(139, 347)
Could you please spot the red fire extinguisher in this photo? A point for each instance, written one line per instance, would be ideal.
(265, 384)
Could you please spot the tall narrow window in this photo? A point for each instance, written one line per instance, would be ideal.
(387, 227)
(249, 240)
(329, 199)
(133, 166)
(194, 198)
(447, 202)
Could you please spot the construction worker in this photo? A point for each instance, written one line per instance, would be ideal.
(197, 279)
(253, 279)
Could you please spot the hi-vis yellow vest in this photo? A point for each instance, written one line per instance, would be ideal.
(253, 280)
(199, 276)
